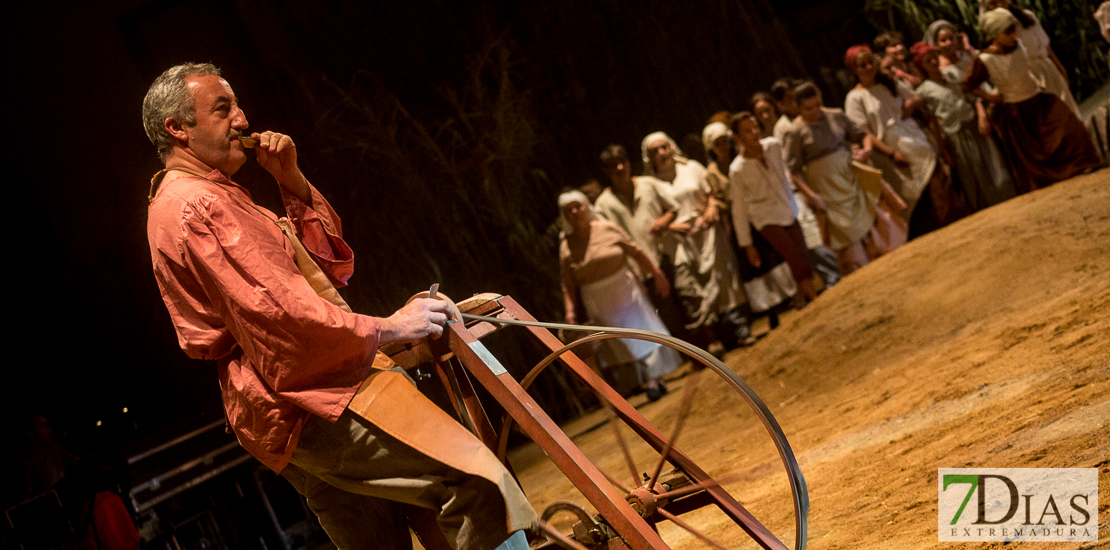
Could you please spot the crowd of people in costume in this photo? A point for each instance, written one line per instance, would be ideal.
(795, 194)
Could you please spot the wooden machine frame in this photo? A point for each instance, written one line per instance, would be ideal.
(625, 517)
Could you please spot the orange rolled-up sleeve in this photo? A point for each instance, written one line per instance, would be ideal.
(321, 232)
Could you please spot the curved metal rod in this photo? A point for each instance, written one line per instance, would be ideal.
(794, 473)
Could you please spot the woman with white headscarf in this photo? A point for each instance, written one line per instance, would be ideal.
(1042, 138)
(1045, 65)
(593, 258)
(954, 57)
(704, 264)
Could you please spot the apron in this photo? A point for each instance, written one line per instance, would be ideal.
(619, 301)
(850, 213)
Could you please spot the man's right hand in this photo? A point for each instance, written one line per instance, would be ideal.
(418, 319)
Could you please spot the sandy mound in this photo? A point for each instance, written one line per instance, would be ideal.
(986, 344)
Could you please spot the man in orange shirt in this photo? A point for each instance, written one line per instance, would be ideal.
(289, 360)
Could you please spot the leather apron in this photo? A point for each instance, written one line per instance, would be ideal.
(390, 401)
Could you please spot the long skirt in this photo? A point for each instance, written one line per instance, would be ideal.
(1044, 141)
(939, 205)
(909, 181)
(981, 168)
(768, 285)
(820, 257)
(849, 214)
(705, 276)
(1054, 81)
(807, 219)
(860, 227)
(619, 301)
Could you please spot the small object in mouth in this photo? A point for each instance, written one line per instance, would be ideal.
(248, 141)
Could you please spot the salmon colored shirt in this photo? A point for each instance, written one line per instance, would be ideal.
(227, 276)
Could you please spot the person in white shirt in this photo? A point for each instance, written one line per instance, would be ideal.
(761, 196)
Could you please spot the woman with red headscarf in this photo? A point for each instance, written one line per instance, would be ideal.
(981, 169)
(882, 107)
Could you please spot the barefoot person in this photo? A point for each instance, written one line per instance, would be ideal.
(290, 354)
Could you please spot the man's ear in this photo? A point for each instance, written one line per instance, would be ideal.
(176, 129)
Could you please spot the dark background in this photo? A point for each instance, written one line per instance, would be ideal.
(440, 131)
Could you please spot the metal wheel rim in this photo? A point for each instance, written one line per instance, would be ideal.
(799, 491)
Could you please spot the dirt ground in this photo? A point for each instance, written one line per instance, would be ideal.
(985, 344)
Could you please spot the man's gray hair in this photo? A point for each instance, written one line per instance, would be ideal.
(169, 97)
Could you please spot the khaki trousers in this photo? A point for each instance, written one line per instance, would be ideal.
(357, 479)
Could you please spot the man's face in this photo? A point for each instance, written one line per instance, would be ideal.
(811, 109)
(749, 132)
(662, 155)
(765, 112)
(897, 51)
(220, 121)
(618, 169)
(788, 105)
